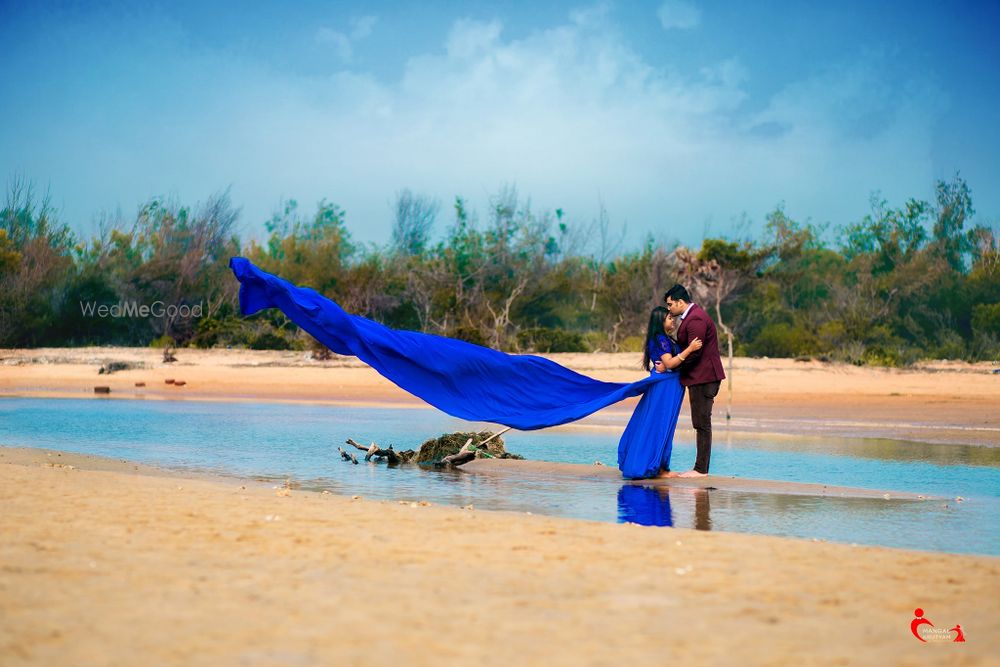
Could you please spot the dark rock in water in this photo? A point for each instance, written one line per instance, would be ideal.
(448, 444)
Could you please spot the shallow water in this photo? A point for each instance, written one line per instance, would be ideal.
(280, 441)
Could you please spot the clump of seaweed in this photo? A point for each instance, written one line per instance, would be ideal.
(449, 444)
(446, 449)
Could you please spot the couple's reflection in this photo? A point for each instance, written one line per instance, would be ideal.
(650, 505)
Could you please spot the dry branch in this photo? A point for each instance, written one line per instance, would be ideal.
(374, 450)
(347, 456)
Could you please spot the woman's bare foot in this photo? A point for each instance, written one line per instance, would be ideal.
(693, 473)
(667, 473)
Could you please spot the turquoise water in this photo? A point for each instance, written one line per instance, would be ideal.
(279, 441)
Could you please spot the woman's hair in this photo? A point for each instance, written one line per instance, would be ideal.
(655, 328)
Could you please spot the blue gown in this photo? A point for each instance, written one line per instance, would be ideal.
(645, 446)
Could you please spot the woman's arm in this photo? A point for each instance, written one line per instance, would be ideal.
(669, 362)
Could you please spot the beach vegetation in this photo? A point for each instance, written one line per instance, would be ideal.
(906, 282)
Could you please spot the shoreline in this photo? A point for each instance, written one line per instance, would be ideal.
(495, 467)
(939, 403)
(247, 573)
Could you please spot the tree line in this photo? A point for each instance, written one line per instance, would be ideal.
(904, 283)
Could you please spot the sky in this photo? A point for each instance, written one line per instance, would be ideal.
(683, 119)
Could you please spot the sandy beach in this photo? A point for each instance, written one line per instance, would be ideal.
(939, 402)
(109, 563)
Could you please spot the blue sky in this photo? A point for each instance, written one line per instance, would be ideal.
(679, 116)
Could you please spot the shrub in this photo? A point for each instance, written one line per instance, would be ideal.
(952, 346)
(163, 341)
(544, 339)
(468, 334)
(894, 357)
(986, 318)
(984, 347)
(596, 341)
(784, 340)
(270, 340)
(222, 332)
(831, 335)
(631, 344)
(851, 352)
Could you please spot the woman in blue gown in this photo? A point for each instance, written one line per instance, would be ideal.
(645, 447)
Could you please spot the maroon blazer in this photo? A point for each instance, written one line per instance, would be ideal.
(704, 365)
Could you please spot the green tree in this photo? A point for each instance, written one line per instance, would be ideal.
(35, 259)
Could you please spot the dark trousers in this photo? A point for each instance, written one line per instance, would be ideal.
(702, 398)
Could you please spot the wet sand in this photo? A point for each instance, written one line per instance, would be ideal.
(939, 402)
(106, 562)
(575, 470)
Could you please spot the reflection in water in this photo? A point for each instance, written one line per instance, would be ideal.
(702, 505)
(650, 506)
(644, 505)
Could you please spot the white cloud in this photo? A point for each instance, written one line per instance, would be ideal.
(338, 41)
(342, 43)
(470, 38)
(573, 114)
(678, 14)
(362, 26)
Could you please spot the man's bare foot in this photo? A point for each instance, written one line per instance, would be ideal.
(693, 473)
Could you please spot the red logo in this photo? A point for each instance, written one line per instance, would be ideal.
(933, 634)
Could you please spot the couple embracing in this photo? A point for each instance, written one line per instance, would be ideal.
(683, 347)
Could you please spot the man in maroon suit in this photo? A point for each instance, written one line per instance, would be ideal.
(701, 372)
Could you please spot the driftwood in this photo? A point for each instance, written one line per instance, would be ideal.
(390, 455)
(168, 355)
(466, 453)
(114, 366)
(347, 456)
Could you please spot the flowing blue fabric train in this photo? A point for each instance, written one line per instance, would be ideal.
(462, 379)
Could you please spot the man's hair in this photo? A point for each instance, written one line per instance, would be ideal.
(677, 293)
